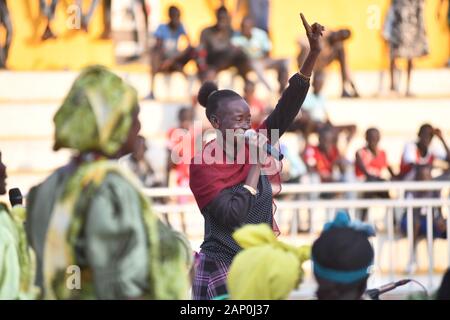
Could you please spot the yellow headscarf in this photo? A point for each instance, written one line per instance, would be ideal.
(96, 114)
(266, 269)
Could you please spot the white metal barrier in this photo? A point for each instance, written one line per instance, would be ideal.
(399, 189)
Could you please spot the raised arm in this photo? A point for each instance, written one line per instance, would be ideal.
(292, 98)
(438, 134)
(313, 33)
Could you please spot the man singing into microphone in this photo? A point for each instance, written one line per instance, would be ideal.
(233, 194)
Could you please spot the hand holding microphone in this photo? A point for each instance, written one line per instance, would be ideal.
(260, 142)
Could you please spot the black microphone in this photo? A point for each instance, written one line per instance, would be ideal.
(271, 150)
(375, 293)
(15, 197)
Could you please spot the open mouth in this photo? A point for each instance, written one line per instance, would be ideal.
(239, 132)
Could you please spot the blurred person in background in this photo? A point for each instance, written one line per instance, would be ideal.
(106, 34)
(166, 56)
(407, 37)
(90, 210)
(334, 50)
(258, 10)
(181, 148)
(315, 115)
(342, 259)
(5, 21)
(47, 10)
(421, 153)
(17, 259)
(257, 45)
(86, 17)
(439, 15)
(370, 166)
(325, 158)
(216, 51)
(257, 106)
(423, 173)
(139, 163)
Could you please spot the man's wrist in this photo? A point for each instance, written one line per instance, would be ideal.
(315, 51)
(252, 190)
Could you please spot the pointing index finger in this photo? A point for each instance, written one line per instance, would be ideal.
(305, 23)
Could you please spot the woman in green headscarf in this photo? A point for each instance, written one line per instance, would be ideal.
(93, 230)
(266, 269)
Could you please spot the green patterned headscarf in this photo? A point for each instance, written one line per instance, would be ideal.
(97, 114)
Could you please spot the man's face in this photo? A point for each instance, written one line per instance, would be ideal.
(326, 140)
(186, 119)
(234, 115)
(249, 89)
(3, 176)
(373, 138)
(246, 27)
(223, 20)
(425, 137)
(175, 18)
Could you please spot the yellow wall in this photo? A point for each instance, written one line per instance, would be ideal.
(72, 50)
(75, 49)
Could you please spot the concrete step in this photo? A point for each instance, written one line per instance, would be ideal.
(22, 120)
(53, 86)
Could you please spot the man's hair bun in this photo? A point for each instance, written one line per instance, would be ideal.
(205, 91)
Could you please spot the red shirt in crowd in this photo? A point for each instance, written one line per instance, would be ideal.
(184, 147)
(322, 162)
(256, 109)
(411, 156)
(374, 164)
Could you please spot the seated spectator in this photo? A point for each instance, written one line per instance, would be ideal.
(217, 53)
(370, 160)
(106, 34)
(180, 150)
(258, 10)
(324, 158)
(48, 11)
(138, 163)
(293, 166)
(333, 49)
(423, 173)
(86, 17)
(370, 164)
(165, 56)
(315, 114)
(266, 269)
(257, 107)
(420, 153)
(315, 103)
(342, 258)
(257, 45)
